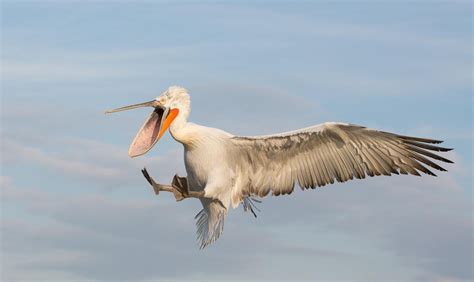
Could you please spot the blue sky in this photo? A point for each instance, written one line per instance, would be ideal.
(75, 207)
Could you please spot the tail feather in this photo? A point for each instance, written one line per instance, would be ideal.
(210, 222)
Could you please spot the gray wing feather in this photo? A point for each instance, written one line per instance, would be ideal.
(320, 155)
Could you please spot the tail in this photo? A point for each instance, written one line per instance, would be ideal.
(210, 222)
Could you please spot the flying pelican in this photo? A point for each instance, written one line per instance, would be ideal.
(225, 170)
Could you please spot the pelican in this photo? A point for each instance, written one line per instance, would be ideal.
(225, 170)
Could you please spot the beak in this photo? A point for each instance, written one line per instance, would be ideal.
(152, 103)
(154, 127)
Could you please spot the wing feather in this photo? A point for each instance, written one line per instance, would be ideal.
(319, 155)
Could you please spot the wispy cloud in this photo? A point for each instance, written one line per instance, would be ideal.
(56, 71)
(93, 232)
(84, 160)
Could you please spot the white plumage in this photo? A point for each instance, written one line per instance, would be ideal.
(224, 170)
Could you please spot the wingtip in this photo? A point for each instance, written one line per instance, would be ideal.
(448, 160)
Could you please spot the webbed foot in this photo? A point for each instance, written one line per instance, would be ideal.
(179, 187)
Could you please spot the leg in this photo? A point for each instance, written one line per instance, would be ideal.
(179, 187)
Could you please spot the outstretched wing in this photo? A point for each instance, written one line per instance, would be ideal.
(321, 154)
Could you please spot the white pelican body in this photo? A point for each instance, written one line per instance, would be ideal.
(224, 170)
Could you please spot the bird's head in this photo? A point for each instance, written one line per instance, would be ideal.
(171, 103)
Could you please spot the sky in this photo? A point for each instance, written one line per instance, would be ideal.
(75, 207)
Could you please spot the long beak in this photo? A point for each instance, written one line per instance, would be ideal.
(152, 103)
(153, 129)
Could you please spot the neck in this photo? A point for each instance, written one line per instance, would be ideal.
(179, 124)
